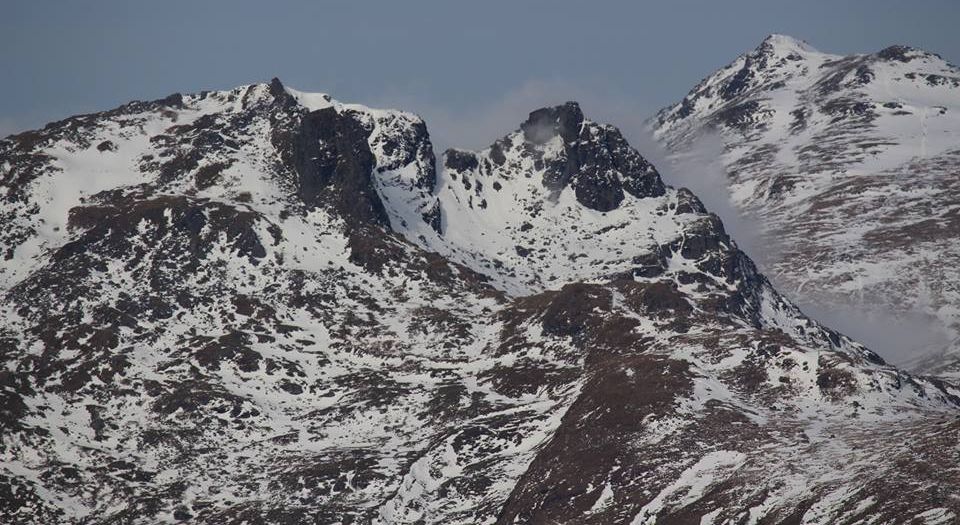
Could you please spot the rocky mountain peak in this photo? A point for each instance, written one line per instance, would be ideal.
(559, 174)
(778, 60)
(545, 123)
(276, 87)
(593, 160)
(784, 45)
(905, 54)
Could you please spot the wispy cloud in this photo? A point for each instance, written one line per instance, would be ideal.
(898, 336)
(699, 169)
(477, 125)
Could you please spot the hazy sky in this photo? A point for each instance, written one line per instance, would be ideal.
(472, 69)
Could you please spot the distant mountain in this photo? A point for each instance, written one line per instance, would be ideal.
(850, 165)
(267, 306)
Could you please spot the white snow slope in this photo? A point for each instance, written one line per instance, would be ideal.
(848, 164)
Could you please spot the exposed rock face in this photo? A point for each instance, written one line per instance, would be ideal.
(560, 194)
(594, 160)
(263, 305)
(849, 163)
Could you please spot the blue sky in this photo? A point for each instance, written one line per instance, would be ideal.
(472, 69)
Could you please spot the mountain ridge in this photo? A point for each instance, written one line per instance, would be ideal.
(270, 306)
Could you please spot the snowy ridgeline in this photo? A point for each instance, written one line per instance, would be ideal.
(264, 305)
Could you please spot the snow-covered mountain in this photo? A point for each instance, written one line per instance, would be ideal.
(267, 306)
(849, 164)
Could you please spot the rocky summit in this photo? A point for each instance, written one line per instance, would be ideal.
(848, 163)
(268, 306)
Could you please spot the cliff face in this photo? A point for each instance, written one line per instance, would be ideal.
(268, 306)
